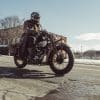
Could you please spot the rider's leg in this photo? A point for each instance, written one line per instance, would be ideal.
(23, 44)
(30, 53)
(31, 48)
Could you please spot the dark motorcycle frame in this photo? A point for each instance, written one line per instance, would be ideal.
(53, 45)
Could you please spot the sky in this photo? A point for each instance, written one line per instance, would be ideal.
(78, 20)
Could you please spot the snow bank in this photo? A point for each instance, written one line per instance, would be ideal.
(87, 61)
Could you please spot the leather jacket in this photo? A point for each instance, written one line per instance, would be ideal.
(31, 25)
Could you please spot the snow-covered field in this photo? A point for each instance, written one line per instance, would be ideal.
(87, 61)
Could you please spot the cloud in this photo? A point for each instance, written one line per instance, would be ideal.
(88, 36)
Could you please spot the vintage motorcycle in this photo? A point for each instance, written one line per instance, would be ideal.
(57, 55)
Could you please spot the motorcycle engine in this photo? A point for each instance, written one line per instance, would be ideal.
(43, 42)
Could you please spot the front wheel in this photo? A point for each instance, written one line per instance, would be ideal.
(61, 60)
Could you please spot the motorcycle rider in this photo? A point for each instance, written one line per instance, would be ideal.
(31, 27)
(33, 23)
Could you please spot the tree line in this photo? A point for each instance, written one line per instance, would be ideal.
(10, 21)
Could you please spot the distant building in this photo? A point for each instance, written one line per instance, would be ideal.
(10, 36)
(7, 36)
(92, 54)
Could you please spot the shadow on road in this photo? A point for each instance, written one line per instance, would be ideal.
(9, 72)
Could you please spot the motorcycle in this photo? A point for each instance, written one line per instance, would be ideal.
(58, 55)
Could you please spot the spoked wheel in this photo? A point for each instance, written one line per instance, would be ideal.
(20, 62)
(61, 60)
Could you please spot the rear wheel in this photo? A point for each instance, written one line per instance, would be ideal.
(20, 62)
(61, 60)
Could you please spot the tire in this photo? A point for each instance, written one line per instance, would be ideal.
(68, 67)
(22, 65)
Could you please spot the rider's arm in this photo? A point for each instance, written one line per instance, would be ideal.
(37, 27)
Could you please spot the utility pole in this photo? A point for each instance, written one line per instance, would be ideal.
(81, 51)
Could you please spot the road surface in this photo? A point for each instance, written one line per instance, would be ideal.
(40, 83)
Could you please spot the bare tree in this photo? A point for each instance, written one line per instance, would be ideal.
(2, 23)
(11, 21)
(15, 21)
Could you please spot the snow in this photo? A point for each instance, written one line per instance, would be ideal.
(87, 61)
